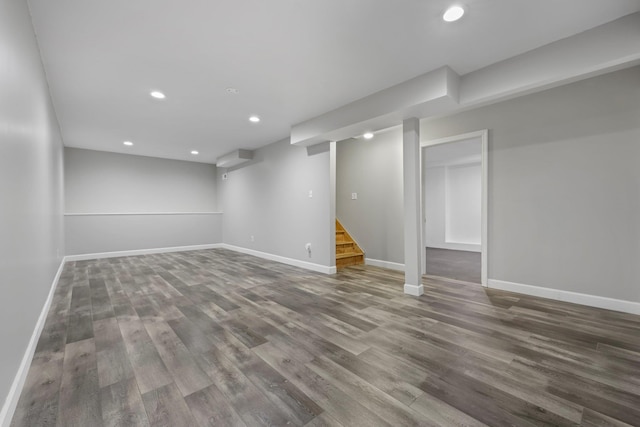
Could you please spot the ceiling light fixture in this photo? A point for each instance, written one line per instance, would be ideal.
(232, 90)
(128, 143)
(453, 13)
(194, 152)
(254, 119)
(158, 95)
(367, 135)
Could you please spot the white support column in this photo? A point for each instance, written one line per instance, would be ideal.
(332, 204)
(412, 214)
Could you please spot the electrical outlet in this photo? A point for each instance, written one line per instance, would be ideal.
(354, 196)
(308, 248)
(253, 239)
(310, 193)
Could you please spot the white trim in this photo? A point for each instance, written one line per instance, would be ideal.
(413, 289)
(484, 164)
(484, 243)
(138, 213)
(117, 254)
(384, 264)
(453, 246)
(11, 402)
(290, 261)
(568, 296)
(284, 260)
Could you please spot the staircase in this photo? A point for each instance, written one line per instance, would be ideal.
(347, 250)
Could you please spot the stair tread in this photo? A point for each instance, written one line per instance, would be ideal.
(348, 255)
(345, 243)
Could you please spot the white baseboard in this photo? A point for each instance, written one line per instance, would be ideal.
(284, 260)
(290, 261)
(83, 257)
(469, 247)
(384, 264)
(415, 290)
(11, 402)
(567, 296)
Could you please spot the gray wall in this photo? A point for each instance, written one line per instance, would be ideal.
(440, 190)
(564, 186)
(31, 237)
(373, 169)
(268, 198)
(131, 202)
(97, 181)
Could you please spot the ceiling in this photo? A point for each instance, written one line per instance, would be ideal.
(290, 60)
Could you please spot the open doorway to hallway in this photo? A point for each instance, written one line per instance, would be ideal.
(454, 207)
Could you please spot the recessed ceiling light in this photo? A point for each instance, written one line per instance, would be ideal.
(232, 90)
(367, 135)
(254, 119)
(128, 143)
(194, 152)
(158, 95)
(453, 13)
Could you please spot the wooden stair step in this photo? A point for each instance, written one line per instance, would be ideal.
(348, 255)
(347, 250)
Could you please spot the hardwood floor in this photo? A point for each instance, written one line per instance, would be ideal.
(459, 265)
(218, 338)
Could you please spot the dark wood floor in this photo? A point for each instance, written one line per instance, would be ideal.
(459, 265)
(219, 338)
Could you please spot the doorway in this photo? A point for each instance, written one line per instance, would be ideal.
(454, 207)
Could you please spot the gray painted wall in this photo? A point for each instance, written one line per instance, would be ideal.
(116, 185)
(438, 187)
(564, 180)
(564, 198)
(113, 233)
(268, 198)
(31, 237)
(97, 181)
(373, 169)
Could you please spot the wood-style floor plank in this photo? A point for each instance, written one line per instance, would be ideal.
(122, 405)
(211, 408)
(79, 403)
(218, 338)
(113, 361)
(185, 371)
(148, 367)
(166, 407)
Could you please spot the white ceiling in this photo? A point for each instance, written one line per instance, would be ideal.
(291, 60)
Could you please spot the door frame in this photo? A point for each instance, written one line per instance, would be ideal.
(484, 168)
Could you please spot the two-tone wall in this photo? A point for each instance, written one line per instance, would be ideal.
(124, 203)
